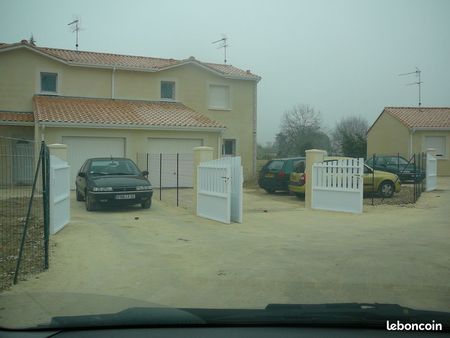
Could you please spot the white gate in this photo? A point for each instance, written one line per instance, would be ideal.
(220, 189)
(59, 194)
(431, 172)
(338, 185)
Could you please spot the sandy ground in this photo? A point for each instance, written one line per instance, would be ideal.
(281, 253)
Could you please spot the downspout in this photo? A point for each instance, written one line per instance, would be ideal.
(254, 130)
(411, 132)
(113, 82)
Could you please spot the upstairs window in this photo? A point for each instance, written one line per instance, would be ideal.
(168, 90)
(219, 97)
(49, 82)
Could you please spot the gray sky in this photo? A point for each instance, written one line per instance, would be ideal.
(341, 57)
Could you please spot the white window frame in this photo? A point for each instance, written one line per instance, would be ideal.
(213, 107)
(40, 82)
(444, 155)
(175, 90)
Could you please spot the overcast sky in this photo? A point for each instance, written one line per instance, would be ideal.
(341, 57)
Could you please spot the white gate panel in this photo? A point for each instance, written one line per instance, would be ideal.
(234, 178)
(213, 192)
(431, 172)
(338, 185)
(59, 194)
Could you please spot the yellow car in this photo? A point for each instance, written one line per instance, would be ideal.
(384, 183)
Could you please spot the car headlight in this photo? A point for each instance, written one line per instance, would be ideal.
(143, 187)
(102, 189)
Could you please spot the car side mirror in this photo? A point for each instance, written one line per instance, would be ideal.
(145, 173)
(81, 174)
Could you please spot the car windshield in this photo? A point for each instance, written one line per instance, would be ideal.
(113, 167)
(283, 163)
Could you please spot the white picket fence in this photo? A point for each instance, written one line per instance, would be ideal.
(431, 172)
(59, 194)
(220, 190)
(338, 185)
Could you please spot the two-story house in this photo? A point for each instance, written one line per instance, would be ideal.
(120, 105)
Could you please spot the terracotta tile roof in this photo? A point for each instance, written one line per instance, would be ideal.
(6, 116)
(143, 63)
(423, 117)
(119, 112)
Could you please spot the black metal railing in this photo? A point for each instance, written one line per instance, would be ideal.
(171, 176)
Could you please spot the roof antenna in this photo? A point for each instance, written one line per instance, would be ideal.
(419, 82)
(223, 44)
(75, 28)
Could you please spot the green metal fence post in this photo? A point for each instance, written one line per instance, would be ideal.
(46, 200)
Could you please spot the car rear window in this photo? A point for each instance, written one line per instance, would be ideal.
(275, 165)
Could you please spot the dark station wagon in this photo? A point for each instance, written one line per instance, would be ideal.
(275, 173)
(112, 181)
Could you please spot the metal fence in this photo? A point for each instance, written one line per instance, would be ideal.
(411, 173)
(171, 176)
(23, 210)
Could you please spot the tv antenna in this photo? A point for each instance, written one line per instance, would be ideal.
(75, 25)
(417, 72)
(223, 44)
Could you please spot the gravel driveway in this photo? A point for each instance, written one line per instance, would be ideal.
(282, 253)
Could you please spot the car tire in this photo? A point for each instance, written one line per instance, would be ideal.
(90, 204)
(386, 189)
(79, 196)
(146, 204)
(270, 191)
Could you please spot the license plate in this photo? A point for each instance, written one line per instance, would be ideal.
(126, 197)
(269, 175)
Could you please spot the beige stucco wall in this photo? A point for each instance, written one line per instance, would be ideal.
(20, 71)
(389, 136)
(135, 139)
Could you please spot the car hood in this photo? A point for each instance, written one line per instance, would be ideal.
(385, 174)
(117, 181)
(74, 310)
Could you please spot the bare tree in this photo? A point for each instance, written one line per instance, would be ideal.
(300, 130)
(350, 137)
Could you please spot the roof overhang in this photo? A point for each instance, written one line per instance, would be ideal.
(16, 123)
(429, 129)
(129, 126)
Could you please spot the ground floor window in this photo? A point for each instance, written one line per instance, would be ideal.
(438, 143)
(229, 147)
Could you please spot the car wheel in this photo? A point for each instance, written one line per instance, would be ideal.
(79, 196)
(386, 189)
(146, 204)
(90, 204)
(270, 191)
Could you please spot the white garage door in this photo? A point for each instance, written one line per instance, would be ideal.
(166, 175)
(82, 148)
(172, 145)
